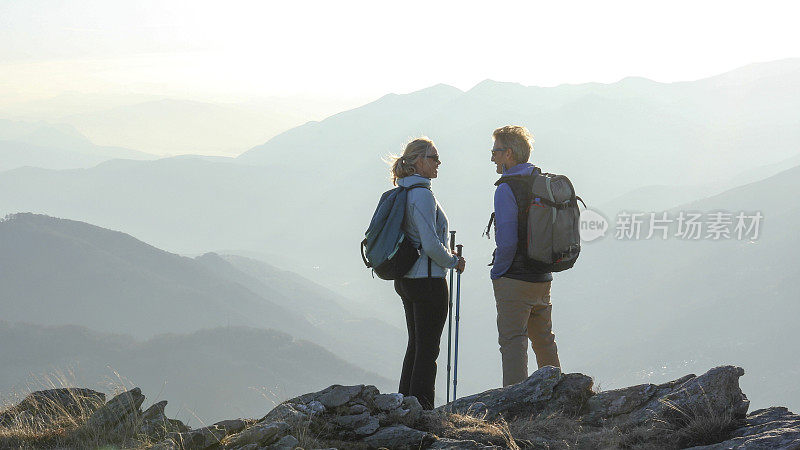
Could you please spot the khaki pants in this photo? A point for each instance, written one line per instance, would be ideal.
(523, 313)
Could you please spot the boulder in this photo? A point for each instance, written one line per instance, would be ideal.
(409, 411)
(388, 402)
(570, 394)
(618, 402)
(769, 428)
(613, 407)
(289, 413)
(51, 403)
(351, 422)
(156, 425)
(716, 392)
(357, 409)
(198, 439)
(232, 426)
(346, 413)
(339, 395)
(261, 434)
(316, 407)
(124, 408)
(536, 395)
(285, 443)
(370, 427)
(399, 437)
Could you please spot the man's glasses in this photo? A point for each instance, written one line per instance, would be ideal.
(502, 149)
(434, 157)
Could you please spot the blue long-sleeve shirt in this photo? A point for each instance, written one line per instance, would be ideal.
(505, 222)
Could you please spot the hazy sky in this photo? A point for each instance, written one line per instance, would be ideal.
(364, 49)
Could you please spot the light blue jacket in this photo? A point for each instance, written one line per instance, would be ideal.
(425, 224)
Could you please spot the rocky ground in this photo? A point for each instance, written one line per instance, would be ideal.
(548, 410)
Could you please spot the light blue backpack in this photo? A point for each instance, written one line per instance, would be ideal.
(385, 248)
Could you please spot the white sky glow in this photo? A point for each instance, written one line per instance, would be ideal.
(363, 49)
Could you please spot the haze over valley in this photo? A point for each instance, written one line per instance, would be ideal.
(159, 267)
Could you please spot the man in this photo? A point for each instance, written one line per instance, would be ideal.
(522, 295)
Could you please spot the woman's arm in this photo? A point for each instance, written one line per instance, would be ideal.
(423, 217)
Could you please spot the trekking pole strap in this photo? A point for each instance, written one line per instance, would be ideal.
(489, 227)
(364, 256)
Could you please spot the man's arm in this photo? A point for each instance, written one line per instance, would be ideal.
(505, 227)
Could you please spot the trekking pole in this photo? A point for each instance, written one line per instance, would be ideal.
(458, 309)
(450, 315)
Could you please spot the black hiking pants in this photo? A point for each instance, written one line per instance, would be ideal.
(425, 303)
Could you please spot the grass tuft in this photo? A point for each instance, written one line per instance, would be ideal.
(466, 427)
(49, 423)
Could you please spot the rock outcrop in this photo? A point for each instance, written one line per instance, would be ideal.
(707, 411)
(44, 407)
(546, 391)
(714, 393)
(769, 428)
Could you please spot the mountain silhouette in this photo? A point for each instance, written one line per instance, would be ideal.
(53, 147)
(63, 272)
(208, 375)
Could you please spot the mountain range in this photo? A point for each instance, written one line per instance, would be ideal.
(174, 125)
(38, 144)
(629, 312)
(208, 375)
(63, 272)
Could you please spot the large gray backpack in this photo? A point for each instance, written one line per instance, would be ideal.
(548, 227)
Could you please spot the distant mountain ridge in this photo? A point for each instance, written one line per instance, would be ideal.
(59, 272)
(170, 126)
(53, 147)
(208, 375)
(635, 125)
(102, 279)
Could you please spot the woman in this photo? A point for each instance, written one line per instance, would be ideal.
(423, 289)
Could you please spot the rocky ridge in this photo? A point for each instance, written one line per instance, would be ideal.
(548, 410)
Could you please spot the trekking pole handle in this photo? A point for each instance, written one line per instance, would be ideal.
(459, 249)
(452, 241)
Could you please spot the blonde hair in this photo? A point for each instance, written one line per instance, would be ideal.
(403, 165)
(518, 139)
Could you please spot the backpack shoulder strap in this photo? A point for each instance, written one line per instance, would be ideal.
(521, 186)
(420, 185)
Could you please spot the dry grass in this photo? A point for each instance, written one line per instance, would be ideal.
(306, 437)
(465, 427)
(699, 425)
(559, 431)
(705, 430)
(70, 432)
(48, 423)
